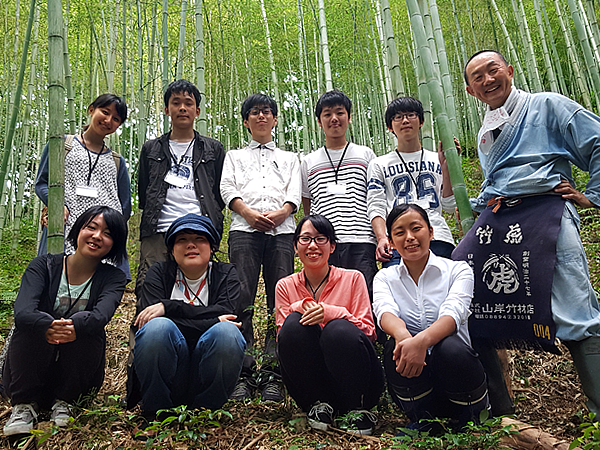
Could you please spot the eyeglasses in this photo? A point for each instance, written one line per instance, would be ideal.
(400, 116)
(264, 111)
(319, 240)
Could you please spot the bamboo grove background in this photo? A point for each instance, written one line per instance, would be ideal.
(58, 56)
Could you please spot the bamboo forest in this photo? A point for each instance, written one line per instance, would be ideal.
(59, 55)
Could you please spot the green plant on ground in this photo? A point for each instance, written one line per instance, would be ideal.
(183, 425)
(590, 439)
(486, 435)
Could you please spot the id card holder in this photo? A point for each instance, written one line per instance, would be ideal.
(336, 189)
(174, 180)
(86, 191)
(423, 203)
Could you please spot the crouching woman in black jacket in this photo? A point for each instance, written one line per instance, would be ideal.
(188, 349)
(57, 352)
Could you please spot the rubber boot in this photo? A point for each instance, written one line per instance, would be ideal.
(586, 357)
(499, 398)
(417, 404)
(470, 405)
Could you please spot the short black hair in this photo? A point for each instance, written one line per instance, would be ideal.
(403, 105)
(479, 53)
(321, 224)
(116, 224)
(400, 210)
(258, 100)
(182, 86)
(331, 99)
(105, 100)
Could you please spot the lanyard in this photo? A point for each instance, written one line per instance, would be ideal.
(410, 174)
(314, 291)
(91, 168)
(336, 170)
(71, 302)
(197, 294)
(182, 156)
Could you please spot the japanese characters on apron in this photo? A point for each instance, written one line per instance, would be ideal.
(512, 250)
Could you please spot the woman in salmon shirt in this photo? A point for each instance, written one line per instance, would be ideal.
(325, 334)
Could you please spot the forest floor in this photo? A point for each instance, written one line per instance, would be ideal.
(546, 388)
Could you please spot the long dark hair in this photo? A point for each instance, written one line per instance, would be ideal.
(115, 222)
(321, 224)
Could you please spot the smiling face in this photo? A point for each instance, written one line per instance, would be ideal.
(489, 79)
(104, 120)
(94, 239)
(192, 253)
(182, 110)
(313, 255)
(410, 236)
(334, 120)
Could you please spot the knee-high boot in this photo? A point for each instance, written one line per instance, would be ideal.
(586, 357)
(469, 405)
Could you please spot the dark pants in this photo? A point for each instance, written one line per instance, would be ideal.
(250, 251)
(359, 257)
(36, 371)
(453, 376)
(336, 364)
(152, 250)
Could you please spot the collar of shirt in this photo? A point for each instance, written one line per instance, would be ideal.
(433, 261)
(269, 145)
(497, 118)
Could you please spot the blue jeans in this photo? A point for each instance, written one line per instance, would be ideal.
(170, 374)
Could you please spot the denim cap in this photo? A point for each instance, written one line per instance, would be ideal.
(193, 223)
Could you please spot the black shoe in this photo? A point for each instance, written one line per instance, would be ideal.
(272, 391)
(244, 390)
(361, 421)
(320, 416)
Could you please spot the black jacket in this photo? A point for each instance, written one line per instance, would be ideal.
(192, 321)
(39, 286)
(155, 163)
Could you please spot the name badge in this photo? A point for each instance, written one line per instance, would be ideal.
(175, 180)
(336, 189)
(423, 203)
(86, 191)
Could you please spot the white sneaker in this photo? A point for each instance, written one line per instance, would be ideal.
(61, 413)
(22, 419)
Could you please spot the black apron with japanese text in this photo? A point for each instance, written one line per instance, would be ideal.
(512, 251)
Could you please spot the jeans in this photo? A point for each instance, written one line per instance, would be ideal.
(336, 364)
(250, 251)
(171, 374)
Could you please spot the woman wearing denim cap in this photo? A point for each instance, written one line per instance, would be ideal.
(188, 347)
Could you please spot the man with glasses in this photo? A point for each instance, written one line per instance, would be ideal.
(409, 174)
(261, 186)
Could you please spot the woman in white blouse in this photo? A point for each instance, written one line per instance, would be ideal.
(423, 304)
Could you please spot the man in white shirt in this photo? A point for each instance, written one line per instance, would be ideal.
(334, 184)
(261, 185)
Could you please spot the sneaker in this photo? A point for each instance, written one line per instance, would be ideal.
(21, 420)
(320, 416)
(61, 413)
(361, 421)
(272, 391)
(244, 390)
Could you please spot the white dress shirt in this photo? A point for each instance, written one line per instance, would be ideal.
(445, 288)
(265, 178)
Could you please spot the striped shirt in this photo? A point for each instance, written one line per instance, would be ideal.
(342, 201)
